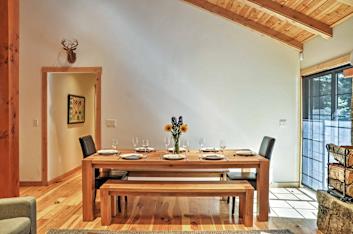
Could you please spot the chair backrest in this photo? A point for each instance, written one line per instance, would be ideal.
(267, 147)
(87, 145)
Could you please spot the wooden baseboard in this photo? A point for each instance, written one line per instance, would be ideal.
(64, 176)
(31, 183)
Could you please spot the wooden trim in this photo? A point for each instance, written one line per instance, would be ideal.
(45, 71)
(9, 98)
(247, 22)
(295, 17)
(348, 73)
(30, 183)
(64, 176)
(348, 2)
(327, 65)
(44, 128)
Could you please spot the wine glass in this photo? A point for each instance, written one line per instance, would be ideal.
(166, 142)
(202, 142)
(222, 145)
(186, 145)
(145, 144)
(135, 142)
(114, 143)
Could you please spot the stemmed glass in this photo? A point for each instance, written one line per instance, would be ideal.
(186, 145)
(135, 142)
(202, 143)
(222, 145)
(114, 143)
(145, 144)
(167, 142)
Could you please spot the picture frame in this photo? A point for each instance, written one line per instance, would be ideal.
(76, 108)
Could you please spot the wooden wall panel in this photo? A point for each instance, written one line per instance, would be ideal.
(9, 117)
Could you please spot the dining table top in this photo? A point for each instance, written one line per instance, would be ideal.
(191, 158)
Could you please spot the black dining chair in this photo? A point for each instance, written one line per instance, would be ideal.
(266, 149)
(89, 148)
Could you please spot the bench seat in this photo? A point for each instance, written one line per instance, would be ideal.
(242, 189)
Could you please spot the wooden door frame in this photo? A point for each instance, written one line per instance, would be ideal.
(45, 71)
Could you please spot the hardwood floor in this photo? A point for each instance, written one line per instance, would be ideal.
(59, 206)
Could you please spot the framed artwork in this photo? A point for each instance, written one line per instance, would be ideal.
(75, 109)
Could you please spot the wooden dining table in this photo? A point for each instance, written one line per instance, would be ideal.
(154, 161)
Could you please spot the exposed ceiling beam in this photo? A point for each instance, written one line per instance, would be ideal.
(348, 2)
(348, 73)
(294, 17)
(247, 22)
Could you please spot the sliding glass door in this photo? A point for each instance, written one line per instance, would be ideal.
(327, 105)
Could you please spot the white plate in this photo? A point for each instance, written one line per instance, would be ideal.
(132, 156)
(210, 149)
(107, 151)
(181, 149)
(212, 156)
(173, 156)
(144, 149)
(245, 152)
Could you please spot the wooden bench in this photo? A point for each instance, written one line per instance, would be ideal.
(242, 189)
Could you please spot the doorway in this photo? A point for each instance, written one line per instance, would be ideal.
(61, 155)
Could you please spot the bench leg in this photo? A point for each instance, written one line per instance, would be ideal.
(242, 207)
(113, 202)
(106, 207)
(248, 211)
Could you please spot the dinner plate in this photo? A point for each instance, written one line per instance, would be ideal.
(107, 151)
(181, 149)
(210, 149)
(132, 156)
(212, 156)
(174, 156)
(144, 149)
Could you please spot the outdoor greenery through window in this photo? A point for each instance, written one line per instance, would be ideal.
(327, 105)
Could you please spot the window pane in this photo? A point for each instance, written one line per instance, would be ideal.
(344, 85)
(344, 106)
(325, 85)
(325, 107)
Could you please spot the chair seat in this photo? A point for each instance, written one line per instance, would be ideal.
(110, 175)
(21, 225)
(241, 175)
(116, 174)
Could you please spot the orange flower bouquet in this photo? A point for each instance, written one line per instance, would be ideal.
(176, 127)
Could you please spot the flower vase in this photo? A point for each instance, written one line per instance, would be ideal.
(176, 145)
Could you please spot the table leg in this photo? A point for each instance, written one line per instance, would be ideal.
(249, 210)
(88, 188)
(106, 205)
(263, 186)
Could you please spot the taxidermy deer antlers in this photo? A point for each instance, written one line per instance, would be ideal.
(70, 47)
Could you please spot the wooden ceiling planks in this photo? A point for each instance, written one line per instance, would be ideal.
(290, 21)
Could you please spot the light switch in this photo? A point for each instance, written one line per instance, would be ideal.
(282, 122)
(110, 123)
(35, 123)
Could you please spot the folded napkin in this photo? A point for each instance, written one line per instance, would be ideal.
(144, 149)
(209, 149)
(181, 149)
(245, 152)
(107, 151)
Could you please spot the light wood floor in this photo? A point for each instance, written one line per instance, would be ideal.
(59, 206)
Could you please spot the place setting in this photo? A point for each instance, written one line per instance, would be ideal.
(212, 153)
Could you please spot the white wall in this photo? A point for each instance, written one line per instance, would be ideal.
(162, 58)
(319, 50)
(64, 151)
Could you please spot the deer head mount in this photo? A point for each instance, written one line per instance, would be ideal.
(70, 47)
